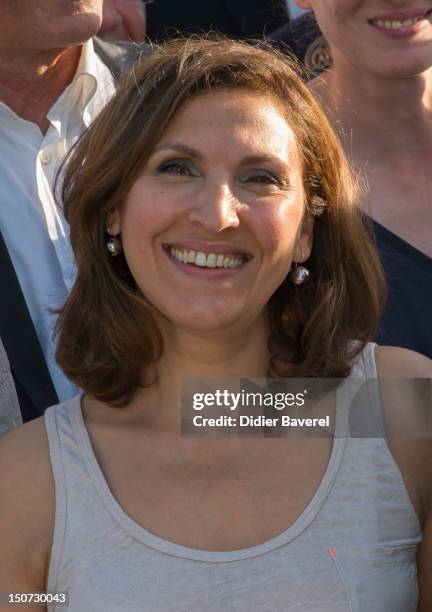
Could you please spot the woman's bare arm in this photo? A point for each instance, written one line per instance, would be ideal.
(410, 410)
(26, 511)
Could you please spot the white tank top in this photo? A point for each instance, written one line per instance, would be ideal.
(352, 548)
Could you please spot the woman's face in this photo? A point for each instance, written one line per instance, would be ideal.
(211, 226)
(387, 38)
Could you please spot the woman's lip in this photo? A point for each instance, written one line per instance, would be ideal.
(407, 32)
(401, 32)
(404, 16)
(203, 271)
(207, 247)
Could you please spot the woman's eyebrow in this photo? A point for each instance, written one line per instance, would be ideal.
(176, 146)
(189, 151)
(259, 159)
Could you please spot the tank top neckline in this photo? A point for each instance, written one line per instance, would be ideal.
(141, 534)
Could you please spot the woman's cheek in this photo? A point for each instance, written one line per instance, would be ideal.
(277, 228)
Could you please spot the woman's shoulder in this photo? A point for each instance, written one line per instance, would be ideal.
(27, 508)
(405, 395)
(397, 362)
(24, 449)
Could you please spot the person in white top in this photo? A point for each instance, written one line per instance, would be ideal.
(52, 85)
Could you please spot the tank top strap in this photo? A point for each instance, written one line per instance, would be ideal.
(368, 405)
(367, 361)
(62, 446)
(359, 413)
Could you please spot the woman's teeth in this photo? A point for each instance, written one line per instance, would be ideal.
(207, 260)
(396, 25)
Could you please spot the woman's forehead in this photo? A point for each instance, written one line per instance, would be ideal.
(231, 118)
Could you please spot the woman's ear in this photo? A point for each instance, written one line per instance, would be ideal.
(304, 244)
(113, 225)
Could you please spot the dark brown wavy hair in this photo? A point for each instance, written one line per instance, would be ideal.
(108, 340)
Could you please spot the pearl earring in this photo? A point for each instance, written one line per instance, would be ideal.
(299, 274)
(113, 244)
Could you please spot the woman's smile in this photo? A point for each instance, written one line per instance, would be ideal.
(212, 224)
(213, 261)
(401, 24)
(385, 39)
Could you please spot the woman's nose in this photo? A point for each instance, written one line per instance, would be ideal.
(216, 209)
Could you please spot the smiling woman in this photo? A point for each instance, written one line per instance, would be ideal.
(215, 228)
(214, 157)
(201, 212)
(377, 94)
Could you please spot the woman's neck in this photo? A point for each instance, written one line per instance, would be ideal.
(385, 127)
(375, 112)
(226, 354)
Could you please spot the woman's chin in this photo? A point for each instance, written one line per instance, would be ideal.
(207, 320)
(407, 66)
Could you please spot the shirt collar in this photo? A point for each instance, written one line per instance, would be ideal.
(90, 89)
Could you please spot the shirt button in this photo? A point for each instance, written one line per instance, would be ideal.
(45, 156)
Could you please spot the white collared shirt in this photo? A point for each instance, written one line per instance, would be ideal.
(33, 228)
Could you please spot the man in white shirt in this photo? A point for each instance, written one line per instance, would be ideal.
(52, 85)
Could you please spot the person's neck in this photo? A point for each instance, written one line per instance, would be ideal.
(30, 85)
(187, 355)
(384, 114)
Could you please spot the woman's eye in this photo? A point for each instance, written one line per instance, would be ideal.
(261, 177)
(179, 168)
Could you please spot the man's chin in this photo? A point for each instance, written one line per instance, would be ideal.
(82, 27)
